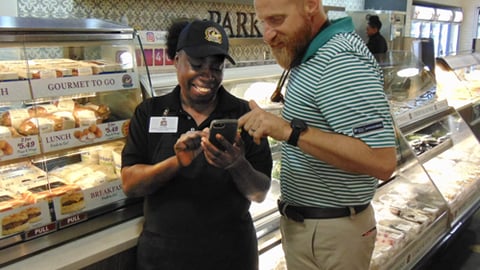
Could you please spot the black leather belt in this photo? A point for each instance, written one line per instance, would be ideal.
(299, 213)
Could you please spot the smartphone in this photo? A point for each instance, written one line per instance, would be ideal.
(226, 127)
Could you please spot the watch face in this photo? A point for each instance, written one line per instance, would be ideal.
(298, 124)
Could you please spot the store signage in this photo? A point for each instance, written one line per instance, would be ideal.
(420, 113)
(77, 85)
(241, 24)
(81, 136)
(72, 220)
(14, 91)
(13, 148)
(41, 231)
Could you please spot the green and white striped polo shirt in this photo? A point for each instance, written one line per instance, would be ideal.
(337, 88)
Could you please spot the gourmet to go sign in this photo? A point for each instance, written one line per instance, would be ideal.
(80, 84)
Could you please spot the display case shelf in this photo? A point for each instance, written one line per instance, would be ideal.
(68, 90)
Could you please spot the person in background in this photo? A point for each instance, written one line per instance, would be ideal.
(196, 196)
(376, 42)
(337, 133)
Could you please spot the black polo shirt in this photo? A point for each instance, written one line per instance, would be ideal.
(199, 194)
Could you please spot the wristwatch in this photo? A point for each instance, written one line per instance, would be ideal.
(298, 126)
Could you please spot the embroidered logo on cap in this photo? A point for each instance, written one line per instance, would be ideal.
(212, 34)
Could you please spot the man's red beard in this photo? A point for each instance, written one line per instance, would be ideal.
(294, 47)
(284, 56)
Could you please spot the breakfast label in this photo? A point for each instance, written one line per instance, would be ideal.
(83, 136)
(69, 207)
(13, 148)
(14, 91)
(83, 84)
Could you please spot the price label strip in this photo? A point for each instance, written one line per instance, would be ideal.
(13, 148)
(83, 136)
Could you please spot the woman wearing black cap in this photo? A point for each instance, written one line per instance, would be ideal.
(376, 42)
(196, 196)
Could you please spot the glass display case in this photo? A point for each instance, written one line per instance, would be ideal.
(411, 214)
(417, 208)
(459, 81)
(68, 90)
(408, 83)
(450, 154)
(466, 68)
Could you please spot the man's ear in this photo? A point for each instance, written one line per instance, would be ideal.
(311, 6)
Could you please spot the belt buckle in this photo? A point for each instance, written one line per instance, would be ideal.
(292, 214)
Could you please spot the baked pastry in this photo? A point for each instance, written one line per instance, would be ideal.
(43, 124)
(6, 148)
(46, 190)
(8, 75)
(125, 127)
(14, 223)
(67, 119)
(34, 214)
(8, 132)
(41, 110)
(88, 134)
(72, 201)
(102, 110)
(85, 116)
(14, 117)
(9, 201)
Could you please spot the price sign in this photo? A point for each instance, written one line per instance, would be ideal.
(112, 130)
(25, 144)
(20, 147)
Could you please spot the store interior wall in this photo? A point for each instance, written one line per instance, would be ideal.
(157, 14)
(8, 8)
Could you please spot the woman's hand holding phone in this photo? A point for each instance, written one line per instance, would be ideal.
(223, 149)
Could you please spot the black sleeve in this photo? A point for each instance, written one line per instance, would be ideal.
(137, 140)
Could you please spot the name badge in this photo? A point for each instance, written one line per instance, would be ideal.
(163, 124)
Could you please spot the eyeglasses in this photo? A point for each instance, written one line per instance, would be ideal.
(277, 95)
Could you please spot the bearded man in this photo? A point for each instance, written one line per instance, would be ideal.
(337, 133)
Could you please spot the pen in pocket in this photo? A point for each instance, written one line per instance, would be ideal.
(367, 233)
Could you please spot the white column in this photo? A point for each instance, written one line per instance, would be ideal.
(8, 8)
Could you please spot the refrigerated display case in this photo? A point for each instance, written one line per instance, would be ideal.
(418, 209)
(446, 149)
(459, 82)
(440, 24)
(414, 216)
(68, 90)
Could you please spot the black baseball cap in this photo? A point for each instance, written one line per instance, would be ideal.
(204, 38)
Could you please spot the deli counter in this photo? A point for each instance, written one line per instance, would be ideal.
(417, 210)
(421, 206)
(68, 90)
(459, 81)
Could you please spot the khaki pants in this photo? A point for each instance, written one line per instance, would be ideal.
(339, 243)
